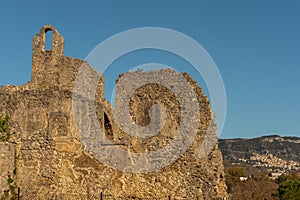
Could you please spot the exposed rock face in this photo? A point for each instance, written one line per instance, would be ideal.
(51, 161)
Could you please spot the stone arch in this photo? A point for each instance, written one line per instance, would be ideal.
(48, 28)
(48, 39)
(45, 37)
(40, 39)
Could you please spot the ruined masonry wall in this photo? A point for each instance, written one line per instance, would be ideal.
(7, 164)
(50, 160)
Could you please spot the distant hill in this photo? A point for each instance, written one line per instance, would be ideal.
(271, 153)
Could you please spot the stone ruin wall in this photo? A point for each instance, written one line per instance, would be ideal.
(7, 167)
(50, 161)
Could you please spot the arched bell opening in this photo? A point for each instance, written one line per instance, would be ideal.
(48, 40)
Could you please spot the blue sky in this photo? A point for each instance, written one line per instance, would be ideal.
(255, 44)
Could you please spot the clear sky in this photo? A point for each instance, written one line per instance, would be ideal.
(255, 44)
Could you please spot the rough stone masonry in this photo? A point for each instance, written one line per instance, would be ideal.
(45, 159)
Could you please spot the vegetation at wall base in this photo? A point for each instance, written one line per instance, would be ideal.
(5, 133)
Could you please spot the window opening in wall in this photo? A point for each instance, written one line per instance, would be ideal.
(48, 43)
(108, 127)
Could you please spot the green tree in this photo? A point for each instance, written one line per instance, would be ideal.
(233, 175)
(284, 177)
(289, 190)
(237, 171)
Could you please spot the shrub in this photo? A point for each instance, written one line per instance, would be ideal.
(289, 190)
